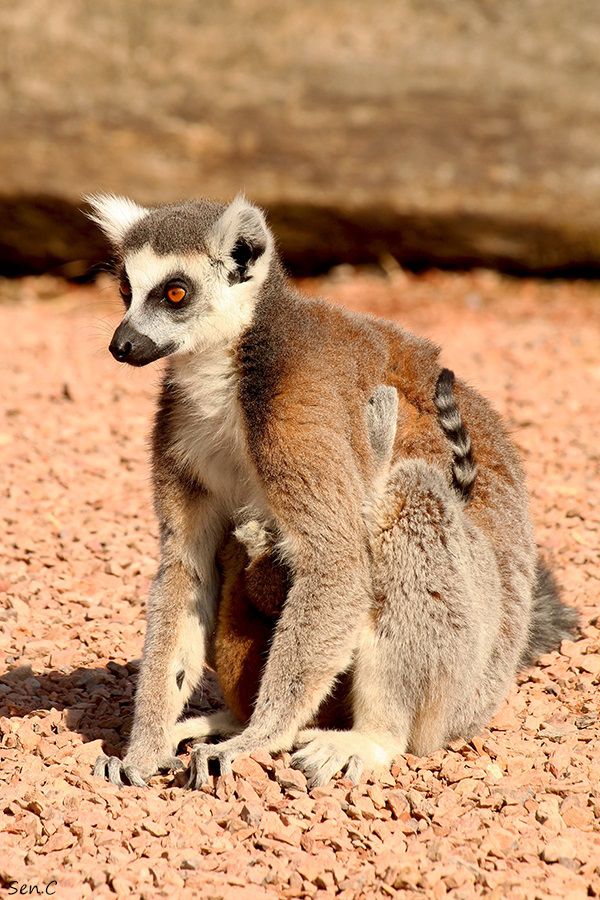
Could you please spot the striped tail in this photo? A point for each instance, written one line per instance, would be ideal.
(464, 470)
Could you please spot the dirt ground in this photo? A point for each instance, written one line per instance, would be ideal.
(514, 813)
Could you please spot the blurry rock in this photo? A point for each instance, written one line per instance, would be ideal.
(561, 850)
(449, 134)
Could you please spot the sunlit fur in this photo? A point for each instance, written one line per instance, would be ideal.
(115, 215)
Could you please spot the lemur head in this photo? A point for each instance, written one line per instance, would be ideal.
(190, 273)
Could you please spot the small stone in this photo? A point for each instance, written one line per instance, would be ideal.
(251, 814)
(398, 804)
(89, 752)
(327, 790)
(577, 817)
(325, 831)
(155, 828)
(246, 767)
(548, 814)
(190, 862)
(377, 796)
(290, 779)
(263, 758)
(494, 772)
(590, 663)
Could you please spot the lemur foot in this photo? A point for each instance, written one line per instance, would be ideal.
(324, 753)
(122, 773)
(199, 773)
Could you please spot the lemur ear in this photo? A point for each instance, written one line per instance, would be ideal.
(240, 237)
(115, 215)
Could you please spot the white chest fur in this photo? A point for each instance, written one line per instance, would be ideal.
(209, 435)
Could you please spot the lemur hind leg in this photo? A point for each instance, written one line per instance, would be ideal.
(419, 664)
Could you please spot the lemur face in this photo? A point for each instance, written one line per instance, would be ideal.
(189, 274)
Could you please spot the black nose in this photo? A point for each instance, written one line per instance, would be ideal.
(135, 349)
(123, 341)
(121, 350)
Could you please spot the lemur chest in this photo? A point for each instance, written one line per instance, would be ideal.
(208, 430)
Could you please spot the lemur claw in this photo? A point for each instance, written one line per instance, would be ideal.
(112, 769)
(122, 773)
(198, 772)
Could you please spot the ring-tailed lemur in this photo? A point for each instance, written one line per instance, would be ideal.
(431, 601)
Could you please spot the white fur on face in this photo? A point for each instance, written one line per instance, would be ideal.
(115, 215)
(221, 311)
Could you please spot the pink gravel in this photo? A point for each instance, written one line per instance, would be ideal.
(515, 813)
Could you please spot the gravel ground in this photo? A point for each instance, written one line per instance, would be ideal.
(514, 813)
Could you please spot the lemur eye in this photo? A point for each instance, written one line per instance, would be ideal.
(125, 291)
(175, 294)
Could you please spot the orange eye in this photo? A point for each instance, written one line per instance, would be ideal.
(176, 294)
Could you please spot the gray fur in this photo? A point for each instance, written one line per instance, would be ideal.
(426, 668)
(174, 228)
(552, 621)
(382, 416)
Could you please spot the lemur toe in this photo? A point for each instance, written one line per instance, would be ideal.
(134, 776)
(354, 769)
(100, 766)
(222, 757)
(199, 773)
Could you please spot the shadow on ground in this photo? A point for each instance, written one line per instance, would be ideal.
(98, 701)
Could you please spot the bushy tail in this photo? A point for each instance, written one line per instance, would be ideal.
(551, 620)
(464, 470)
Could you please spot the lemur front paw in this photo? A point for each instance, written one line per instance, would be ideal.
(125, 772)
(115, 770)
(223, 754)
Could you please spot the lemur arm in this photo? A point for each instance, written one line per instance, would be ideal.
(180, 618)
(316, 492)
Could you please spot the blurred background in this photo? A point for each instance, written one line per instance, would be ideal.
(427, 133)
